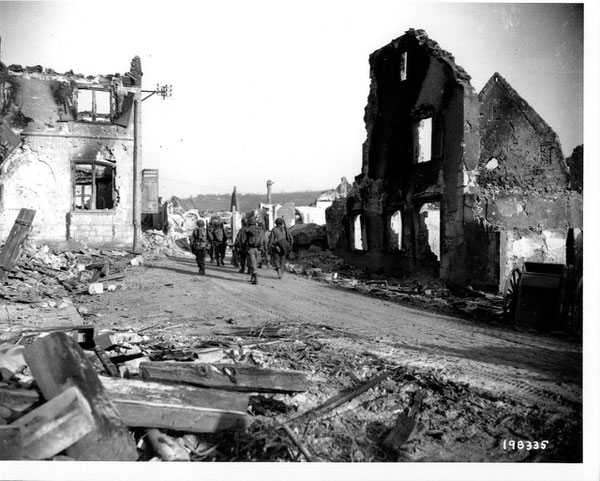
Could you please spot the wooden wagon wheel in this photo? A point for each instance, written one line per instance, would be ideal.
(577, 310)
(511, 295)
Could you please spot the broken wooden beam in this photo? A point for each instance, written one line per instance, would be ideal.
(57, 363)
(235, 377)
(54, 426)
(311, 458)
(18, 400)
(12, 247)
(343, 397)
(177, 407)
(405, 424)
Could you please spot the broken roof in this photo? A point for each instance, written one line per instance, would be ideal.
(438, 52)
(528, 111)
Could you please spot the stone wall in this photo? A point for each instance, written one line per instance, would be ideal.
(519, 150)
(41, 107)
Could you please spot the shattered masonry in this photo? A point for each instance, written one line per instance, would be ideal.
(462, 185)
(74, 156)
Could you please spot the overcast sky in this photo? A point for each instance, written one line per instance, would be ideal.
(277, 90)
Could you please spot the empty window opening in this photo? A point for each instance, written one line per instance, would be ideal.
(93, 186)
(429, 231)
(424, 137)
(360, 234)
(93, 105)
(403, 59)
(395, 231)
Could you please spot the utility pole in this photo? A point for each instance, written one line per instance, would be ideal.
(269, 196)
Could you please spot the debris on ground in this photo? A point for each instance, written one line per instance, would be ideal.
(336, 405)
(274, 392)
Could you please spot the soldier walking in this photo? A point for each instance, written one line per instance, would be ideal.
(280, 245)
(198, 245)
(255, 245)
(240, 245)
(219, 241)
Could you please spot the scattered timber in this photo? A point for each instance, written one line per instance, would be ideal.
(405, 424)
(234, 377)
(54, 426)
(57, 362)
(19, 400)
(177, 407)
(12, 246)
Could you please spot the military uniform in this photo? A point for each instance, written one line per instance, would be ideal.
(255, 245)
(198, 244)
(280, 244)
(219, 241)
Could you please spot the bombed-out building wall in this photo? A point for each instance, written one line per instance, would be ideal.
(521, 208)
(422, 116)
(74, 156)
(453, 183)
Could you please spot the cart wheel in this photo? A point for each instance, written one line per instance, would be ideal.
(511, 295)
(577, 310)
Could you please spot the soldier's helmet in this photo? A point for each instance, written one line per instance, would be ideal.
(278, 221)
(200, 223)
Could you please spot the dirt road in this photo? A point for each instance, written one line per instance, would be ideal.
(533, 370)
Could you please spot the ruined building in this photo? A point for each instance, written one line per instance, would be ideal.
(71, 151)
(453, 183)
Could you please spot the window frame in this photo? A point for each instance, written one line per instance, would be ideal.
(93, 197)
(102, 118)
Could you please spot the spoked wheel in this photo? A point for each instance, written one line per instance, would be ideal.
(511, 295)
(577, 310)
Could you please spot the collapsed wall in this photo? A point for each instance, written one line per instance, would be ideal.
(75, 160)
(521, 207)
(461, 185)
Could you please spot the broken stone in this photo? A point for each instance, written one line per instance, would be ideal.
(95, 288)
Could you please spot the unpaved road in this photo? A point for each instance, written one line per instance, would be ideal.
(531, 367)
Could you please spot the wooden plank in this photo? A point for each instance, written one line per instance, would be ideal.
(235, 377)
(405, 424)
(57, 363)
(18, 400)
(55, 425)
(18, 234)
(11, 442)
(177, 407)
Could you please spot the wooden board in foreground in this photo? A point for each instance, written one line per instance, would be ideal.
(236, 377)
(172, 406)
(57, 363)
(55, 425)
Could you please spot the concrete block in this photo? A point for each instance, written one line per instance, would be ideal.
(95, 288)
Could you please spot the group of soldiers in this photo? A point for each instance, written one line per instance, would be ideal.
(253, 245)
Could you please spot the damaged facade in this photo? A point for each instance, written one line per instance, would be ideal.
(75, 154)
(453, 183)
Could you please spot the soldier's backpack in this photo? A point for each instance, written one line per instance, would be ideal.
(284, 245)
(218, 235)
(198, 240)
(254, 236)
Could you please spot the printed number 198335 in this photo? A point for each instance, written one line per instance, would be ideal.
(528, 445)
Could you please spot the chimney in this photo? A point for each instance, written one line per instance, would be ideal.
(269, 196)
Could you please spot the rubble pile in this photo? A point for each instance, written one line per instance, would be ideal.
(43, 276)
(272, 393)
(417, 290)
(157, 244)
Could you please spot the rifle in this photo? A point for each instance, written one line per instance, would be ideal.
(288, 237)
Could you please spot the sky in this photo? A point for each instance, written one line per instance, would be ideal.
(276, 90)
